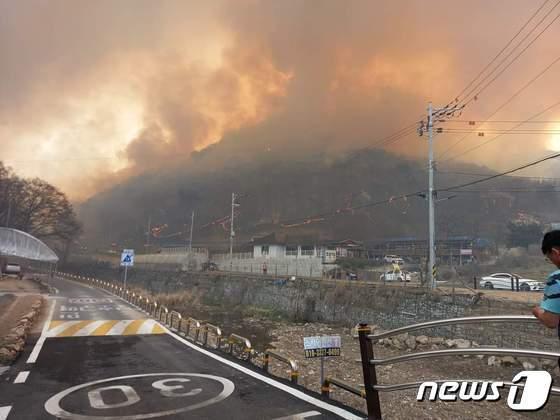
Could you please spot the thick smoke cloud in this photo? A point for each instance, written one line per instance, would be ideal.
(92, 93)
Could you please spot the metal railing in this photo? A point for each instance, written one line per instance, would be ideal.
(217, 332)
(190, 328)
(197, 324)
(326, 387)
(244, 343)
(294, 373)
(178, 316)
(369, 361)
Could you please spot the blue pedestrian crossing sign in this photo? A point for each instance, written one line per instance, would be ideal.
(127, 258)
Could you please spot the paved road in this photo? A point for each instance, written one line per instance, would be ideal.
(99, 358)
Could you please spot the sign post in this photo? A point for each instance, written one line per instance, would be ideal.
(127, 260)
(322, 346)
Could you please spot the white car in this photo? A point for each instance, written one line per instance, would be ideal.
(12, 269)
(395, 276)
(393, 259)
(504, 281)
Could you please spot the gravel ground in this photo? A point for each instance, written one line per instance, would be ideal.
(12, 308)
(13, 284)
(288, 339)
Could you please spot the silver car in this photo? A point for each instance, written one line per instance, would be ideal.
(504, 281)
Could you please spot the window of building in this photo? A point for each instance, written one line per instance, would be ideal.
(307, 250)
(264, 250)
(291, 250)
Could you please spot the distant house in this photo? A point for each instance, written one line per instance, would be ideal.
(348, 248)
(271, 247)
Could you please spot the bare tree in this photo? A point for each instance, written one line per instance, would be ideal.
(38, 208)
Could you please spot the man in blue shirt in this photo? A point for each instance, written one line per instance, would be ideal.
(548, 312)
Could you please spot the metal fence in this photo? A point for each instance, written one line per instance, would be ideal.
(192, 329)
(369, 361)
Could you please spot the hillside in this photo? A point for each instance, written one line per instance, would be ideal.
(278, 195)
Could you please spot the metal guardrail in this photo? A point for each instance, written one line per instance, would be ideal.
(454, 321)
(188, 325)
(294, 373)
(326, 387)
(369, 362)
(172, 316)
(234, 339)
(217, 332)
(197, 325)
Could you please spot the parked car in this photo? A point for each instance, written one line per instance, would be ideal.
(395, 276)
(393, 259)
(350, 275)
(504, 280)
(209, 266)
(12, 269)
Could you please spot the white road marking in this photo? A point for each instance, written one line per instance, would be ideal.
(39, 344)
(147, 327)
(21, 377)
(4, 369)
(119, 327)
(60, 328)
(87, 330)
(300, 416)
(296, 393)
(52, 406)
(4, 411)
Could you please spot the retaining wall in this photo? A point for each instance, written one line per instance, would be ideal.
(343, 302)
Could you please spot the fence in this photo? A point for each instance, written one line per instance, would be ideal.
(195, 330)
(369, 362)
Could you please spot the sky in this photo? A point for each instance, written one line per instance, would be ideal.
(92, 93)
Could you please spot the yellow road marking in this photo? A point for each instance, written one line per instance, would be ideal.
(54, 324)
(104, 329)
(157, 329)
(133, 327)
(70, 331)
(91, 327)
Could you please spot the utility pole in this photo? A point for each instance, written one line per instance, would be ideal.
(9, 213)
(190, 237)
(231, 233)
(149, 232)
(431, 209)
(438, 114)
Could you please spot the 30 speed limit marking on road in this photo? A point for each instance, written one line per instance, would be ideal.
(137, 397)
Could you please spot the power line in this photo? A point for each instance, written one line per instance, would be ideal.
(501, 51)
(488, 178)
(477, 94)
(504, 104)
(482, 132)
(486, 175)
(476, 122)
(506, 191)
(499, 135)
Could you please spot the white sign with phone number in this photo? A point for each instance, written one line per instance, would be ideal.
(321, 346)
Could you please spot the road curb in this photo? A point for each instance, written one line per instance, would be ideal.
(14, 342)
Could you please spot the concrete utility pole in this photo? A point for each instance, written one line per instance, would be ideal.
(447, 111)
(149, 232)
(231, 233)
(190, 237)
(431, 193)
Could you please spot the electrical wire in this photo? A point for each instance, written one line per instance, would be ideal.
(476, 93)
(501, 51)
(504, 104)
(499, 135)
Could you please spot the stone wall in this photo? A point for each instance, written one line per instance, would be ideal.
(343, 302)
